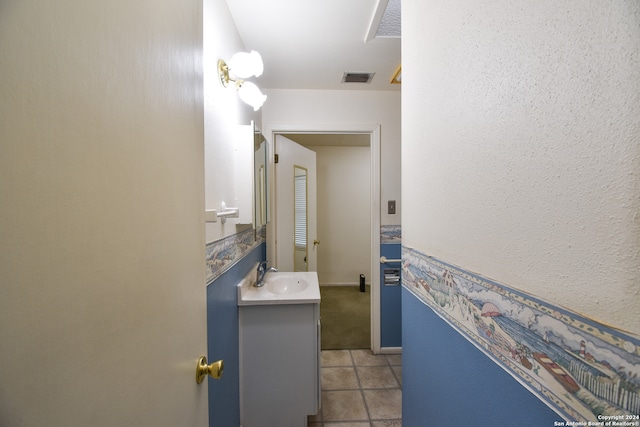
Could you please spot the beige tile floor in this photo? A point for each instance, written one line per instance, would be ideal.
(360, 389)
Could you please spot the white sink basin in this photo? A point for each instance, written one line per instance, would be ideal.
(280, 288)
(285, 284)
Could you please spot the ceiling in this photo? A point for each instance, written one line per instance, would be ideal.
(310, 44)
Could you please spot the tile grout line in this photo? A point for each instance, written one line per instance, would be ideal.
(355, 369)
(395, 375)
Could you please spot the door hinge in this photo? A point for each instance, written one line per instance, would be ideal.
(275, 158)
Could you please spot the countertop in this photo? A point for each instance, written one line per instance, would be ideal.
(248, 294)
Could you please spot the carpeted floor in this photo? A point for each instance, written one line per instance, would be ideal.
(345, 316)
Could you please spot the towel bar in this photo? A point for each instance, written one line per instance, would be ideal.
(213, 215)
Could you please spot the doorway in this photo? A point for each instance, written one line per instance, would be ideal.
(370, 134)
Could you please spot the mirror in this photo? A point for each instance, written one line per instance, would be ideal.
(300, 218)
(250, 180)
(260, 211)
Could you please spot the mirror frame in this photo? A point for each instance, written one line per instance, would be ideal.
(260, 180)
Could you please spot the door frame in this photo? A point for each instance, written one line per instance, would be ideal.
(270, 130)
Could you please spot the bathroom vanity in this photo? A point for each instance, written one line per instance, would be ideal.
(279, 327)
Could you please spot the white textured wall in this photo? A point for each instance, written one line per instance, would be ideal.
(315, 107)
(223, 113)
(521, 146)
(344, 213)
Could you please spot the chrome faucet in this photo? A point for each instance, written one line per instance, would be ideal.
(262, 271)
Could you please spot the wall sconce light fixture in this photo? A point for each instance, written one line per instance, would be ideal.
(241, 66)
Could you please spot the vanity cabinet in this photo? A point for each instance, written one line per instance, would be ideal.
(279, 364)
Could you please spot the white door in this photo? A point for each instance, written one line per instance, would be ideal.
(295, 170)
(102, 281)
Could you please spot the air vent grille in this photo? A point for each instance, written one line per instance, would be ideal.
(357, 77)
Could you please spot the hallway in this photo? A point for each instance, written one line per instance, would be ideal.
(360, 389)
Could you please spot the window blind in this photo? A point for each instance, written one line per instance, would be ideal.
(300, 201)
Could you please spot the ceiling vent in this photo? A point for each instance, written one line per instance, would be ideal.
(357, 77)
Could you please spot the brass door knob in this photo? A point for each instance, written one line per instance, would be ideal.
(316, 242)
(202, 370)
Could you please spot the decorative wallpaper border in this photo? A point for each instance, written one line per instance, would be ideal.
(582, 369)
(390, 234)
(222, 254)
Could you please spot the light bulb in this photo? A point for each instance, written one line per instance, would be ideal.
(244, 64)
(250, 93)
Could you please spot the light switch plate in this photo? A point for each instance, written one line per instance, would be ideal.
(391, 207)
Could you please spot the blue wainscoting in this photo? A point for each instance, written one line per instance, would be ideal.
(222, 339)
(390, 301)
(505, 355)
(447, 381)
